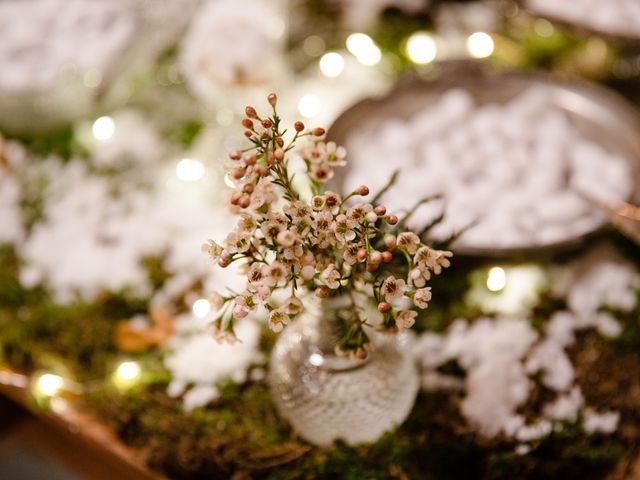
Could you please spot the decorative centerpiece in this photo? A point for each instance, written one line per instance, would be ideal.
(344, 268)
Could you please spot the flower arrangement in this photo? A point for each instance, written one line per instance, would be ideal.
(319, 242)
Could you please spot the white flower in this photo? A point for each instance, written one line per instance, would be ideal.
(405, 319)
(332, 202)
(334, 154)
(286, 238)
(421, 297)
(231, 42)
(308, 272)
(273, 226)
(240, 311)
(297, 209)
(317, 203)
(275, 275)
(441, 260)
(330, 276)
(409, 242)
(247, 224)
(349, 255)
(278, 319)
(212, 249)
(358, 212)
(237, 242)
(392, 288)
(216, 301)
(293, 306)
(343, 229)
(321, 173)
(418, 276)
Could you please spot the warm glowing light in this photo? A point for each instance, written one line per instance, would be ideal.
(331, 64)
(103, 128)
(127, 372)
(421, 48)
(364, 49)
(49, 384)
(201, 307)
(189, 170)
(496, 279)
(316, 359)
(480, 45)
(309, 105)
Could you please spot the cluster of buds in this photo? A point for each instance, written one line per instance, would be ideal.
(326, 244)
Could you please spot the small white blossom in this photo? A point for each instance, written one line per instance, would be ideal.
(421, 297)
(330, 276)
(406, 319)
(392, 288)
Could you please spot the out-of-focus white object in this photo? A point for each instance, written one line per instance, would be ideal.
(615, 17)
(515, 171)
(232, 43)
(58, 57)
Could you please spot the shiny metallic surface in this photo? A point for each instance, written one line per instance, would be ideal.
(598, 113)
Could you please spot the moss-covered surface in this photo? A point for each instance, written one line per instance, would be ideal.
(240, 435)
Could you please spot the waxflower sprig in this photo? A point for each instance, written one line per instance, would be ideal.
(321, 243)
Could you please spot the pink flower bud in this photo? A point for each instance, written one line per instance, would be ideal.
(392, 219)
(234, 155)
(248, 133)
(376, 258)
(372, 217)
(361, 255)
(299, 126)
(387, 257)
(246, 123)
(384, 307)
(266, 123)
(272, 99)
(250, 159)
(238, 172)
(250, 112)
(362, 190)
(248, 188)
(224, 259)
(318, 132)
(244, 201)
(279, 154)
(380, 210)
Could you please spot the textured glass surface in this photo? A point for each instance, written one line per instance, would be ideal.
(326, 397)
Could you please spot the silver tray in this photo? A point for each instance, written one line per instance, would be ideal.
(598, 113)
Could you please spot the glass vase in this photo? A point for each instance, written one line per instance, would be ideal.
(326, 397)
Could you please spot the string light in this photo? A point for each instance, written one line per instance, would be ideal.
(189, 170)
(331, 64)
(126, 374)
(49, 384)
(201, 307)
(103, 128)
(480, 45)
(364, 49)
(309, 105)
(421, 48)
(316, 359)
(496, 279)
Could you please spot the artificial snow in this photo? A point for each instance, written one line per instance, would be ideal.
(515, 174)
(198, 363)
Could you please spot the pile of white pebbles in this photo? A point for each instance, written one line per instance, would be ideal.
(519, 173)
(617, 17)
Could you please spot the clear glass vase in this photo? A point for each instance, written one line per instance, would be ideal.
(326, 397)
